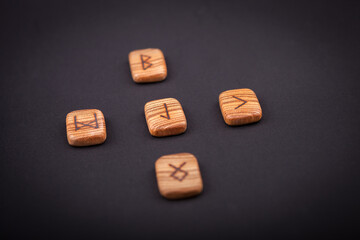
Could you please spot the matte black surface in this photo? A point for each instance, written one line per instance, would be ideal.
(295, 174)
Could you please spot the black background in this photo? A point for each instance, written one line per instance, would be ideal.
(295, 174)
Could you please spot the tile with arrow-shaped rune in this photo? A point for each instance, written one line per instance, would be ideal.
(240, 106)
(165, 117)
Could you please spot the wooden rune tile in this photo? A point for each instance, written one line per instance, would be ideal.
(85, 127)
(147, 65)
(240, 106)
(165, 117)
(178, 176)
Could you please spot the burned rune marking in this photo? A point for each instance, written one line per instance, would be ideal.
(144, 61)
(240, 100)
(89, 124)
(179, 170)
(167, 113)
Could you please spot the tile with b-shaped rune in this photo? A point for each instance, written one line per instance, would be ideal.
(147, 65)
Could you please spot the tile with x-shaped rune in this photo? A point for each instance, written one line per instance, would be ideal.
(178, 176)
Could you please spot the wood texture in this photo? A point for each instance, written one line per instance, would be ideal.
(178, 176)
(240, 106)
(147, 65)
(85, 127)
(165, 117)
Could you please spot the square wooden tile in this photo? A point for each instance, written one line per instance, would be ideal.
(240, 106)
(178, 176)
(147, 65)
(165, 117)
(85, 127)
